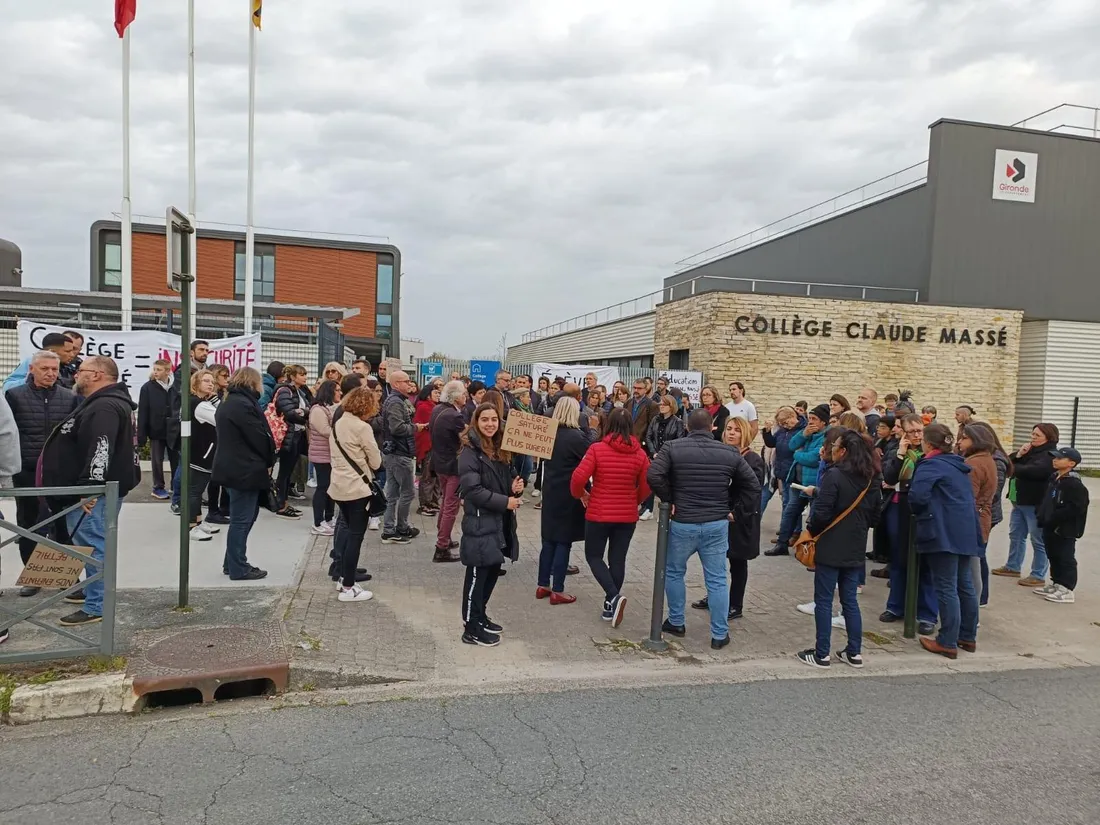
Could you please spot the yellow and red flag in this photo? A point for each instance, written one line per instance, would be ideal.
(125, 11)
(257, 13)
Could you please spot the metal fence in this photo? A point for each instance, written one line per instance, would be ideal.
(104, 570)
(304, 341)
(628, 374)
(1080, 429)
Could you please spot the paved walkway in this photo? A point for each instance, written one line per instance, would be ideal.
(411, 629)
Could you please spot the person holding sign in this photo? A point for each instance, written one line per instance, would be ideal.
(562, 515)
(616, 467)
(490, 493)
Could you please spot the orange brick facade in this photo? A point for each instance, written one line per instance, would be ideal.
(303, 275)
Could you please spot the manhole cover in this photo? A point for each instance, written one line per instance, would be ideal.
(205, 658)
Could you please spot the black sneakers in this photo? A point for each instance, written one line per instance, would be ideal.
(409, 532)
(674, 629)
(254, 574)
(79, 618)
(809, 657)
(718, 644)
(491, 626)
(75, 598)
(395, 538)
(480, 636)
(853, 659)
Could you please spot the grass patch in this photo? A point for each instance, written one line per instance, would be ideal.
(877, 638)
(106, 664)
(44, 678)
(187, 609)
(342, 703)
(7, 688)
(308, 687)
(314, 644)
(618, 645)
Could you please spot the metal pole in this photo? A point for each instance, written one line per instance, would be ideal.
(1073, 431)
(911, 583)
(127, 288)
(656, 640)
(192, 173)
(184, 377)
(249, 233)
(110, 569)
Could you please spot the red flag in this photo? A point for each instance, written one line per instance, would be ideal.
(125, 11)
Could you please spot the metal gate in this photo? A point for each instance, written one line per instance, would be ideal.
(330, 345)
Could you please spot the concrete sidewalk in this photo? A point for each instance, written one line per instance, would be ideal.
(412, 627)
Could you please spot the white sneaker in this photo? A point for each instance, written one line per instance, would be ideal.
(536, 493)
(1061, 596)
(646, 516)
(210, 528)
(809, 608)
(839, 623)
(322, 530)
(198, 534)
(374, 523)
(355, 594)
(312, 482)
(1046, 589)
(859, 589)
(331, 523)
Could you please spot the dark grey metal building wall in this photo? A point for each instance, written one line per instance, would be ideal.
(884, 244)
(1041, 257)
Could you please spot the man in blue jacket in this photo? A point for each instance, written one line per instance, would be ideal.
(806, 444)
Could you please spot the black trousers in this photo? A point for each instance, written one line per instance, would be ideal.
(615, 536)
(323, 506)
(29, 510)
(199, 481)
(1062, 552)
(288, 462)
(476, 590)
(355, 514)
(157, 449)
(739, 578)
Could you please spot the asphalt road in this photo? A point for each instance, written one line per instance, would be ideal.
(1009, 749)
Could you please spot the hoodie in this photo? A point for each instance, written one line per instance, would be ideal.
(942, 501)
(94, 445)
(1064, 506)
(617, 469)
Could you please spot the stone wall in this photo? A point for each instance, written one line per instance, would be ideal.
(786, 349)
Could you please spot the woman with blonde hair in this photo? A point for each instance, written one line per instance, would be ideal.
(355, 457)
(204, 441)
(851, 421)
(744, 530)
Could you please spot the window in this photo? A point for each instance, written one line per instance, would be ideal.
(385, 279)
(263, 272)
(383, 325)
(678, 359)
(109, 277)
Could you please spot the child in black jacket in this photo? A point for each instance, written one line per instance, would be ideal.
(1062, 514)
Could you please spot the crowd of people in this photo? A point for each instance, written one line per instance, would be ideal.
(369, 443)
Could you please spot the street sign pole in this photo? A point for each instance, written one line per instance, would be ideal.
(656, 640)
(181, 278)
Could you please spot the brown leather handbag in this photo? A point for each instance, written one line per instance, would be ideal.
(805, 547)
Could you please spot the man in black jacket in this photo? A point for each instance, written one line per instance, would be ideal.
(95, 444)
(706, 482)
(1062, 514)
(38, 405)
(447, 424)
(399, 459)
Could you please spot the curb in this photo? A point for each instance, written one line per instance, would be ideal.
(71, 698)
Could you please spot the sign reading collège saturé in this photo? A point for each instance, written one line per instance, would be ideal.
(860, 330)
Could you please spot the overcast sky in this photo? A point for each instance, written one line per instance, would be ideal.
(532, 159)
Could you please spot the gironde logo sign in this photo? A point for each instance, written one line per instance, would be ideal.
(1014, 176)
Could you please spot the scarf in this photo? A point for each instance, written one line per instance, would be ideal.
(712, 409)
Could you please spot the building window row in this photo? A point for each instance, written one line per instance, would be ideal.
(263, 272)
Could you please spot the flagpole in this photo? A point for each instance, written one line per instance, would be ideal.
(249, 236)
(127, 304)
(191, 186)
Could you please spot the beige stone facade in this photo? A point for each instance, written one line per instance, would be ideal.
(786, 349)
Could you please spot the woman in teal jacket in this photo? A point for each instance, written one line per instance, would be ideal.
(807, 455)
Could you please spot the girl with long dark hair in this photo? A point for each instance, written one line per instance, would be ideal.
(490, 493)
(320, 455)
(616, 468)
(842, 512)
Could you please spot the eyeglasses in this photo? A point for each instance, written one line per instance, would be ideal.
(87, 370)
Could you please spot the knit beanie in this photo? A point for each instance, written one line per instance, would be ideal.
(821, 412)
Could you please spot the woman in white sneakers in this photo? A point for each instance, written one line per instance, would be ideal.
(355, 458)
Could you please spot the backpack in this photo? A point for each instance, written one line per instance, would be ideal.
(275, 422)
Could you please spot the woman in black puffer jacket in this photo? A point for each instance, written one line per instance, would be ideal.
(490, 492)
(1032, 468)
(292, 401)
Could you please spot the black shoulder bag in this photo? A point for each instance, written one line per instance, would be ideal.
(376, 504)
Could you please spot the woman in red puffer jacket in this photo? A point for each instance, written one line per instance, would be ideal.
(429, 481)
(616, 466)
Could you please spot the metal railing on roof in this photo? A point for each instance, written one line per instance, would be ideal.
(1061, 110)
(616, 312)
(892, 184)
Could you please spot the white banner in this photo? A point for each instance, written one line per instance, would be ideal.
(689, 383)
(135, 352)
(575, 373)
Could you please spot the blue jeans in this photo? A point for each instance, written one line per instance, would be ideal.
(244, 507)
(553, 562)
(766, 494)
(826, 580)
(927, 606)
(176, 488)
(711, 542)
(523, 465)
(958, 599)
(1021, 524)
(91, 532)
(791, 522)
